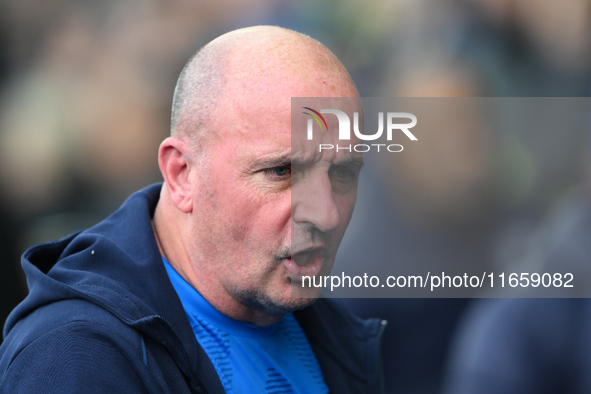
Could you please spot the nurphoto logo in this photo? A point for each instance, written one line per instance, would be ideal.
(392, 124)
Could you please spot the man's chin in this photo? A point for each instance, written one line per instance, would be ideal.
(291, 304)
(303, 293)
(272, 306)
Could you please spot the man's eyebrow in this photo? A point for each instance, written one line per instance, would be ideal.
(277, 160)
(355, 161)
(351, 161)
(284, 159)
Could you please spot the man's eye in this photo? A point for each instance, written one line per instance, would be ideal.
(343, 178)
(281, 171)
(343, 173)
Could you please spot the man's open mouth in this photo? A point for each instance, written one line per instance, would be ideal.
(307, 262)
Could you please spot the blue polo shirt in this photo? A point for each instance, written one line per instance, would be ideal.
(251, 359)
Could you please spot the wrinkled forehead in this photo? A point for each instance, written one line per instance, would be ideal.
(323, 128)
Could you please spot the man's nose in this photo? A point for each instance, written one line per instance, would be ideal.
(313, 203)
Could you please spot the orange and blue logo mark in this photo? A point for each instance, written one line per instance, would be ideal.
(315, 118)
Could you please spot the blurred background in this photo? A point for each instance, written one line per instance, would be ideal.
(85, 93)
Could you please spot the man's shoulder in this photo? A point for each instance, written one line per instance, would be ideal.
(68, 344)
(70, 319)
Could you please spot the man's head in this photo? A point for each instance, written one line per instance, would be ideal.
(226, 219)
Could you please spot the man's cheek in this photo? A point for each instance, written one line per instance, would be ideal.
(241, 220)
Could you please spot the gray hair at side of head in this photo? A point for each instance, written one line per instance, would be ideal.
(199, 87)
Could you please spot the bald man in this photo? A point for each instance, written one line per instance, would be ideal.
(188, 286)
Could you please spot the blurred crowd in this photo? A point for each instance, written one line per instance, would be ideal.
(85, 92)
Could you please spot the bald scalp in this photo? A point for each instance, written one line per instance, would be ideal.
(276, 54)
(249, 63)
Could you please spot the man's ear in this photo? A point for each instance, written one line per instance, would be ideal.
(175, 166)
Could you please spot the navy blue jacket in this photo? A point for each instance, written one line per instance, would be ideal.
(102, 316)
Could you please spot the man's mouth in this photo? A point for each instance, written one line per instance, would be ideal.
(307, 262)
